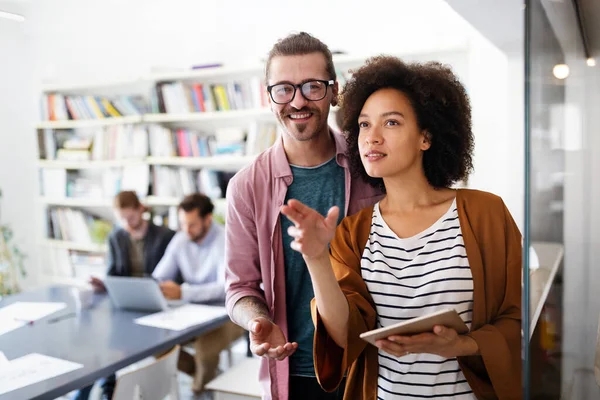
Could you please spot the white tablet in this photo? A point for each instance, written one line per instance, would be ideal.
(425, 323)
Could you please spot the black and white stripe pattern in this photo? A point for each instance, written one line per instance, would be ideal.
(411, 277)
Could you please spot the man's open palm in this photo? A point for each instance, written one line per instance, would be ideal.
(267, 340)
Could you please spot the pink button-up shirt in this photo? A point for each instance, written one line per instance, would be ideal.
(254, 249)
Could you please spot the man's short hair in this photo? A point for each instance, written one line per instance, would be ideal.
(197, 201)
(298, 44)
(126, 199)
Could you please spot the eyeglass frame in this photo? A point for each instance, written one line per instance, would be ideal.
(327, 83)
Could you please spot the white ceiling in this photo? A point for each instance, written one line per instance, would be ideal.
(500, 21)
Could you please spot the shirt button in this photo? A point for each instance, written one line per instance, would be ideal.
(288, 180)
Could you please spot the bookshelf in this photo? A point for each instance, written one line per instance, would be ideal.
(161, 134)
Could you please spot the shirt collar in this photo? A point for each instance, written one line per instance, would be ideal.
(207, 240)
(281, 166)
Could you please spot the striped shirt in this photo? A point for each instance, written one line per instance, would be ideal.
(411, 277)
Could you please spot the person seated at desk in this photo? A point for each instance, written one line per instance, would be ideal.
(197, 255)
(134, 249)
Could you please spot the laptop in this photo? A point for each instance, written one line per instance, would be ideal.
(140, 294)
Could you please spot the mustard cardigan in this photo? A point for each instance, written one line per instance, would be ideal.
(493, 245)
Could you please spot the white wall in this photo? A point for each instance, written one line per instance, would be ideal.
(85, 39)
(494, 158)
(496, 73)
(17, 141)
(76, 40)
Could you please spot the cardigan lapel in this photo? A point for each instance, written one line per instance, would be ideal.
(475, 262)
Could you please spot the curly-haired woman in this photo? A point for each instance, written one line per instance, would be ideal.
(422, 248)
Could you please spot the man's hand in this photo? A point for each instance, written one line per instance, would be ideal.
(267, 340)
(170, 290)
(97, 285)
(444, 342)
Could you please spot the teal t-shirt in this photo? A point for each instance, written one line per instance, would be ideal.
(320, 188)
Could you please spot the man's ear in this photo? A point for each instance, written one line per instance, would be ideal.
(335, 90)
(269, 97)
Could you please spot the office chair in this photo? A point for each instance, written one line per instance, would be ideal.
(154, 381)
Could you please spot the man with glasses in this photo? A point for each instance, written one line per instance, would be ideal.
(268, 285)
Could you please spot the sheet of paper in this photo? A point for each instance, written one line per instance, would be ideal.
(3, 359)
(30, 311)
(183, 317)
(17, 314)
(8, 324)
(30, 369)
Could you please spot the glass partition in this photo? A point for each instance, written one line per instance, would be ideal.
(560, 217)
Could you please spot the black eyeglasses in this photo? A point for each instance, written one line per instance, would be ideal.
(283, 93)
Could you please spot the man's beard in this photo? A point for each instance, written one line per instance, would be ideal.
(299, 130)
(137, 227)
(200, 236)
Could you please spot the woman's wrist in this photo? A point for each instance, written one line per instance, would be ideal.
(319, 259)
(468, 346)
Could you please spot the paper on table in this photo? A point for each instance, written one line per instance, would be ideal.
(3, 359)
(183, 317)
(8, 324)
(30, 311)
(30, 369)
(16, 315)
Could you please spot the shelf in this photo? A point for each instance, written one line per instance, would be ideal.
(174, 201)
(214, 118)
(211, 74)
(89, 123)
(63, 244)
(152, 201)
(207, 73)
(221, 163)
(76, 202)
(208, 115)
(211, 119)
(82, 202)
(202, 74)
(86, 87)
(89, 164)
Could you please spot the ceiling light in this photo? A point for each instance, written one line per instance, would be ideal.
(560, 71)
(591, 62)
(14, 17)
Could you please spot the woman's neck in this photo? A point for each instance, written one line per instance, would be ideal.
(406, 195)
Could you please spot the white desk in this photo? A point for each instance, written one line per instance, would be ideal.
(550, 256)
(101, 338)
